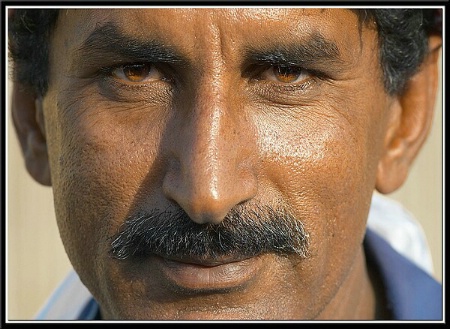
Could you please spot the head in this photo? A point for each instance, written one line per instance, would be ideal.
(208, 162)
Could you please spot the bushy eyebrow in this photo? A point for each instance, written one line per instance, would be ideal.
(107, 42)
(315, 50)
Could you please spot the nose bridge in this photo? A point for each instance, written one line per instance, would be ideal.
(214, 154)
(208, 112)
(211, 176)
(208, 155)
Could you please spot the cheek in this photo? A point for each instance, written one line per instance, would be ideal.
(321, 163)
(99, 161)
(317, 156)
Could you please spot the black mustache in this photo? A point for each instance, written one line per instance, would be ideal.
(244, 233)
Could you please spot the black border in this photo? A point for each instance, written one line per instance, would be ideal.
(199, 324)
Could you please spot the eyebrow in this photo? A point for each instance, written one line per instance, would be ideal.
(108, 43)
(316, 50)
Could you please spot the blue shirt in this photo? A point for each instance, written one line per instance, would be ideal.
(411, 293)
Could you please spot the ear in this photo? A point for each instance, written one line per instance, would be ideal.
(28, 121)
(411, 118)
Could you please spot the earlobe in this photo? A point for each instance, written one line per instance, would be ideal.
(410, 123)
(27, 114)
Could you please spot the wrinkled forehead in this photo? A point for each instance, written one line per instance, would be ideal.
(174, 18)
(191, 29)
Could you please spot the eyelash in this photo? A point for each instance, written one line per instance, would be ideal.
(119, 90)
(268, 88)
(265, 87)
(108, 72)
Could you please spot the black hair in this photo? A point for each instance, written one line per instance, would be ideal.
(29, 35)
(402, 37)
(403, 42)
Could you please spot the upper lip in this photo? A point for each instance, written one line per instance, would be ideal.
(206, 262)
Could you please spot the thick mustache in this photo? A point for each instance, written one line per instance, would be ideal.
(243, 233)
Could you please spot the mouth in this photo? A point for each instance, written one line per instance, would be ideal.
(207, 275)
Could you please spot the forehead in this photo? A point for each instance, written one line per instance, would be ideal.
(191, 29)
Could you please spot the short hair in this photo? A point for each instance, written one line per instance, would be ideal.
(402, 40)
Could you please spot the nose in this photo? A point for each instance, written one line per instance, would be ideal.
(210, 167)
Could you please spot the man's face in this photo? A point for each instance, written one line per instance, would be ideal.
(212, 111)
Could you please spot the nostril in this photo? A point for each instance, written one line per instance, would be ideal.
(200, 209)
(209, 210)
(204, 205)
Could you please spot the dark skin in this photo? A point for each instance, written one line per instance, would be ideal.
(238, 107)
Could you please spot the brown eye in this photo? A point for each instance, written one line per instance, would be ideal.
(286, 74)
(137, 72)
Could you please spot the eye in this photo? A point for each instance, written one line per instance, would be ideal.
(137, 72)
(286, 74)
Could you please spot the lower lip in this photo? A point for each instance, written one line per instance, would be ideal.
(199, 278)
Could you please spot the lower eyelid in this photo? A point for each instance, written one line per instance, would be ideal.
(118, 91)
(294, 87)
(282, 93)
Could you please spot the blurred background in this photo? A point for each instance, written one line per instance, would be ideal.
(37, 261)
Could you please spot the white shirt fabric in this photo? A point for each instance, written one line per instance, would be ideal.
(387, 218)
(392, 221)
